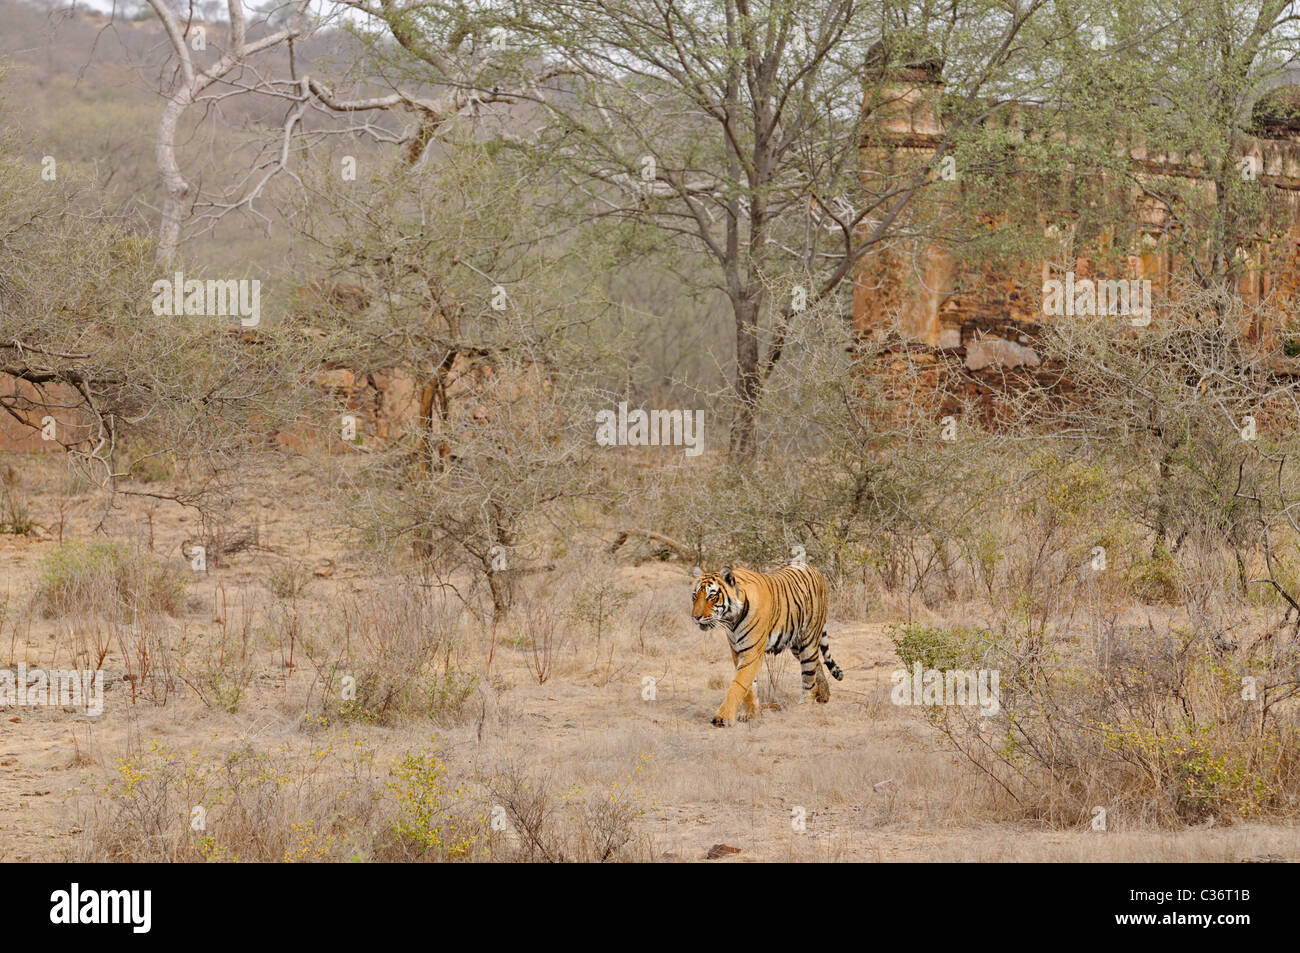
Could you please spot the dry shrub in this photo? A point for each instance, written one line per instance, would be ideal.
(148, 463)
(390, 654)
(105, 577)
(221, 667)
(15, 515)
(571, 826)
(1148, 722)
(336, 804)
(544, 627)
(150, 648)
(656, 618)
(149, 653)
(242, 805)
(289, 581)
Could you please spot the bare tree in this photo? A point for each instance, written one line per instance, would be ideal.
(190, 86)
(732, 128)
(248, 66)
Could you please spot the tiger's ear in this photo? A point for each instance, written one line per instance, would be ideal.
(698, 571)
(728, 578)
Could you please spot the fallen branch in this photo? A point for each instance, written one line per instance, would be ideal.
(684, 551)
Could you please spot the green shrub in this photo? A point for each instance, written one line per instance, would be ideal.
(1155, 579)
(434, 819)
(934, 646)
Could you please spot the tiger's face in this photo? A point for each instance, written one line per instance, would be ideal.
(715, 601)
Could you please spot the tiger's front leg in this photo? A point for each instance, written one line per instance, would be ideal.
(742, 687)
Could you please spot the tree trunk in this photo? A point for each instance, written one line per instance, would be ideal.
(500, 589)
(174, 185)
(743, 425)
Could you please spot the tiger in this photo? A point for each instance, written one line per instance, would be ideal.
(785, 609)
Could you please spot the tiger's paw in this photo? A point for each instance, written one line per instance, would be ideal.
(720, 720)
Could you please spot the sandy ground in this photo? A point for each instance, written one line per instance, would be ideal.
(589, 724)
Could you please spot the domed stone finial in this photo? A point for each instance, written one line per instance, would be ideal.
(906, 55)
(1277, 114)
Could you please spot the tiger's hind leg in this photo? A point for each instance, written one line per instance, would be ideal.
(822, 692)
(811, 674)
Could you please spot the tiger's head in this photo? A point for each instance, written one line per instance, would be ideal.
(717, 600)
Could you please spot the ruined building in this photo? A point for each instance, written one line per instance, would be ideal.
(943, 307)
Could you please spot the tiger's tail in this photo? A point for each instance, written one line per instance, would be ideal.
(835, 670)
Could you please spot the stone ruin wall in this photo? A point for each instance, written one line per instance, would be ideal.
(956, 325)
(387, 403)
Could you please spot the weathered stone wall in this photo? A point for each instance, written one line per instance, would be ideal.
(389, 403)
(938, 297)
(392, 401)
